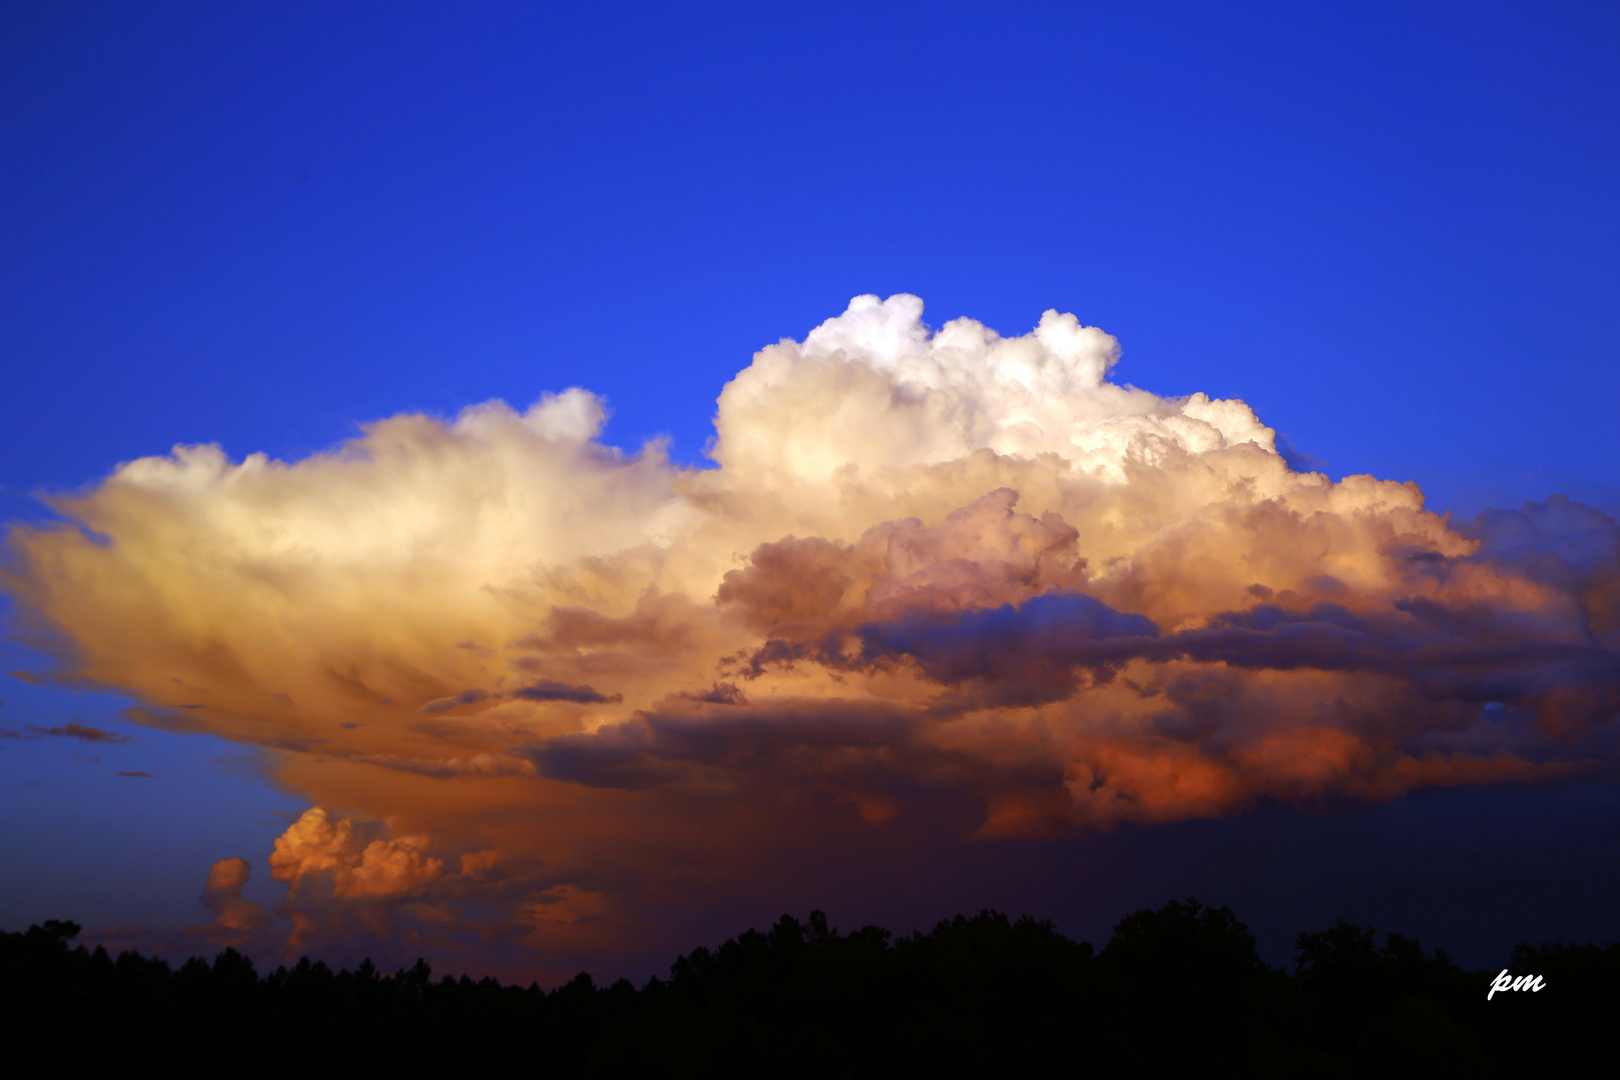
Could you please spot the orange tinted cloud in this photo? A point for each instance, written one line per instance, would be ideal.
(940, 584)
(222, 894)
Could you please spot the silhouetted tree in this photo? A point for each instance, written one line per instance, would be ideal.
(1178, 991)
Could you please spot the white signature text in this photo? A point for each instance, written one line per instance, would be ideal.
(1505, 981)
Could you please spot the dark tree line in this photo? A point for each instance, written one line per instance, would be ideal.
(1179, 991)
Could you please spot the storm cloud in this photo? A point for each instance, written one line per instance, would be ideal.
(936, 583)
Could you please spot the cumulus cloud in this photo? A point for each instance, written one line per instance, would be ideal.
(938, 583)
(222, 894)
(319, 850)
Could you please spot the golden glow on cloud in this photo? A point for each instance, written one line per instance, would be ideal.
(517, 669)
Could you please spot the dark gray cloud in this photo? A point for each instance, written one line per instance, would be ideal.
(83, 732)
(1476, 653)
(1550, 539)
(1038, 644)
(466, 697)
(721, 693)
(682, 747)
(551, 690)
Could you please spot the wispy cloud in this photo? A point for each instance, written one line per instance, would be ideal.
(83, 732)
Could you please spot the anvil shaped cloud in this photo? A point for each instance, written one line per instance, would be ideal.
(940, 583)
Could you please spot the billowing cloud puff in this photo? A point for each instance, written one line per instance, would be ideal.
(334, 851)
(873, 391)
(222, 894)
(940, 584)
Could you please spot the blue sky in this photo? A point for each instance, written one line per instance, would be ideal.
(1390, 228)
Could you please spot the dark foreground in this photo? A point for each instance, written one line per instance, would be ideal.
(1176, 992)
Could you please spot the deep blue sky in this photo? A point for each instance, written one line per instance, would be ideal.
(1392, 228)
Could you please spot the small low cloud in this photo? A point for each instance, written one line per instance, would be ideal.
(721, 693)
(83, 732)
(147, 775)
(223, 896)
(444, 704)
(551, 690)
